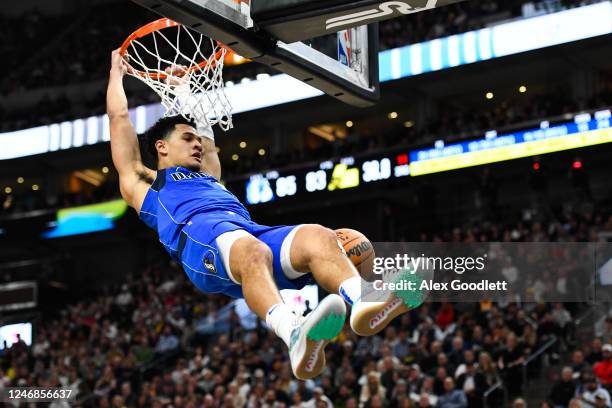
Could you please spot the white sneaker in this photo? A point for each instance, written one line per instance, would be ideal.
(371, 317)
(308, 340)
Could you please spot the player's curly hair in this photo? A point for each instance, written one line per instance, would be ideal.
(162, 129)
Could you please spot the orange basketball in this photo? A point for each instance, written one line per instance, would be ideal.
(358, 248)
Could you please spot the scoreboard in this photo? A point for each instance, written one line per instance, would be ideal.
(331, 175)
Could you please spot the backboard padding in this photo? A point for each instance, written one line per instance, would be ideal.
(296, 20)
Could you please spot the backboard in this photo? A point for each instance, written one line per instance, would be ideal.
(276, 33)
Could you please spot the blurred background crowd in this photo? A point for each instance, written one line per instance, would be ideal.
(153, 340)
(141, 335)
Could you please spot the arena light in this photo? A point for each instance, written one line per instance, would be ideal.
(20, 180)
(35, 187)
(235, 157)
(8, 190)
(349, 123)
(89, 177)
(408, 124)
(105, 170)
(323, 132)
(522, 89)
(238, 59)
(243, 144)
(261, 152)
(489, 95)
(392, 115)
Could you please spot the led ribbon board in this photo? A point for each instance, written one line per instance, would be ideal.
(512, 146)
(498, 41)
(87, 219)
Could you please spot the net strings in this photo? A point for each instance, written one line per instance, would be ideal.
(206, 101)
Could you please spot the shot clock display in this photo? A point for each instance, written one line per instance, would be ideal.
(343, 174)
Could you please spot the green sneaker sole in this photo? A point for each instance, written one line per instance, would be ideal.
(411, 298)
(328, 328)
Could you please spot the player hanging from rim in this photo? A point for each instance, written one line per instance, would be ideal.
(206, 228)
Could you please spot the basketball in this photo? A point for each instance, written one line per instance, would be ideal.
(358, 248)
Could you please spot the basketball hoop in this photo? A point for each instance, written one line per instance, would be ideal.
(153, 53)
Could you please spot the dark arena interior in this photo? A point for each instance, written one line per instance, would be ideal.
(503, 143)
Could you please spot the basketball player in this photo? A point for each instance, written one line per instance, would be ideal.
(206, 228)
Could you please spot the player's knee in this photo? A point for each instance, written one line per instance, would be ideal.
(250, 257)
(256, 252)
(320, 240)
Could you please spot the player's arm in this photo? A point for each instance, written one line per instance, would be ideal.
(210, 158)
(134, 177)
(190, 105)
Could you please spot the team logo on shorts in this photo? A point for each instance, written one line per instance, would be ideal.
(209, 261)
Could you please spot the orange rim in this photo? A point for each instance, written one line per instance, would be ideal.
(147, 29)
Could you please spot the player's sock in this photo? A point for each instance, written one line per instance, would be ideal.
(350, 290)
(282, 319)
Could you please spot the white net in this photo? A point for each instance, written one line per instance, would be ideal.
(184, 68)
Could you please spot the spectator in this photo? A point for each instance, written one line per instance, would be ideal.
(296, 401)
(167, 341)
(319, 399)
(519, 403)
(372, 387)
(473, 383)
(596, 353)
(603, 330)
(509, 363)
(401, 348)
(452, 398)
(564, 389)
(488, 369)
(603, 369)
(562, 318)
(124, 298)
(592, 392)
(399, 393)
(578, 363)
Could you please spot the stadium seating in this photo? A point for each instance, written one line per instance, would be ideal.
(136, 344)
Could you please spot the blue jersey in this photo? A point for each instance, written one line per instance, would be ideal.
(177, 195)
(148, 211)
